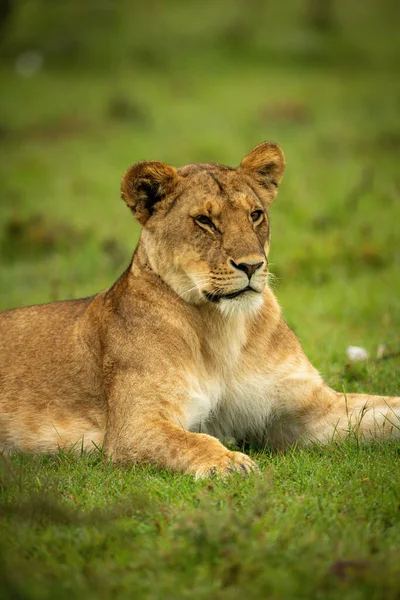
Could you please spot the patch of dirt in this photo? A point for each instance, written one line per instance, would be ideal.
(27, 237)
(124, 109)
(343, 569)
(293, 113)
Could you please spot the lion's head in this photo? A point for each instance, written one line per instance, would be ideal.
(206, 226)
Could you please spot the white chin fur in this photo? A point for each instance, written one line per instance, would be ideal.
(247, 304)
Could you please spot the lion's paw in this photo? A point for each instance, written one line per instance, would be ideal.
(229, 463)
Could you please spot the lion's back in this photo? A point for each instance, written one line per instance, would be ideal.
(37, 330)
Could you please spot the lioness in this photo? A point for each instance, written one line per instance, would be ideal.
(187, 348)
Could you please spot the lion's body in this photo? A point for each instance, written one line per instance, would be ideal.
(49, 381)
(172, 357)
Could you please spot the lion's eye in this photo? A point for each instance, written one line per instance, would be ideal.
(203, 220)
(256, 215)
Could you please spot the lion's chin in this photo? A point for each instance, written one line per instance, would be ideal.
(247, 304)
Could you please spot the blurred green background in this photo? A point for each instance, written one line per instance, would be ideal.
(89, 88)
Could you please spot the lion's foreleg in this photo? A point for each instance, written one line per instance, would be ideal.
(153, 430)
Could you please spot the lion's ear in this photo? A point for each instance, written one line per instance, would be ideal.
(145, 185)
(266, 163)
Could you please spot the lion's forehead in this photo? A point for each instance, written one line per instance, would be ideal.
(215, 189)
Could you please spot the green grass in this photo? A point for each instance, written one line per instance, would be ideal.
(317, 523)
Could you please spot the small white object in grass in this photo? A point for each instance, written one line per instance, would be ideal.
(356, 353)
(29, 63)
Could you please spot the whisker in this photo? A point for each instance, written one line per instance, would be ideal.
(195, 287)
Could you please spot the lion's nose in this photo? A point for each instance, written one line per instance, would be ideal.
(247, 268)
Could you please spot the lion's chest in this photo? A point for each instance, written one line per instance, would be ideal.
(227, 395)
(231, 407)
(204, 397)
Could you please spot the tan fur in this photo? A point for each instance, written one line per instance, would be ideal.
(161, 368)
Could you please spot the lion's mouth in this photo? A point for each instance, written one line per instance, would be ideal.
(218, 297)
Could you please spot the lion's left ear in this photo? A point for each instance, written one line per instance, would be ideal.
(266, 162)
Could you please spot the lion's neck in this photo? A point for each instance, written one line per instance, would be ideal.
(140, 260)
(223, 337)
(222, 334)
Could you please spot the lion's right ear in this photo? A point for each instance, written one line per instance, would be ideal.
(145, 186)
